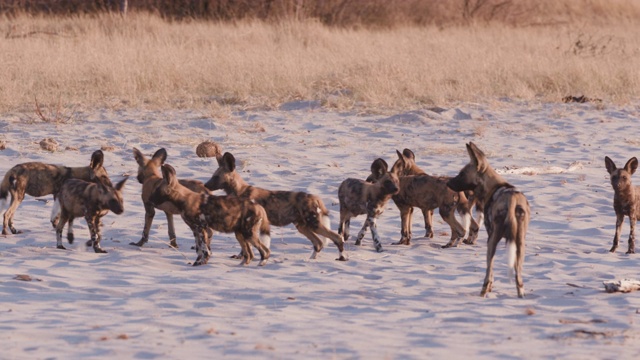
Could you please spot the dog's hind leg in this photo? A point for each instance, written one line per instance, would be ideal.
(492, 244)
(172, 231)
(457, 230)
(325, 231)
(16, 199)
(428, 223)
(317, 243)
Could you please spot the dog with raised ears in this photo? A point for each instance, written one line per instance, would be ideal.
(229, 214)
(306, 211)
(506, 213)
(150, 177)
(79, 198)
(39, 179)
(626, 199)
(405, 165)
(359, 197)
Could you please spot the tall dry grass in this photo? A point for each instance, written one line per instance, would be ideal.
(142, 60)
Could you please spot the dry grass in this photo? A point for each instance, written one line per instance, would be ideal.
(143, 60)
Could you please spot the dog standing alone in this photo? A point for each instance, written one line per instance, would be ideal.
(626, 199)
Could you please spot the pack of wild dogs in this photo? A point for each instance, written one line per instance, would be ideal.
(248, 211)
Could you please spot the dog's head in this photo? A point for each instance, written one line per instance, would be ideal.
(621, 178)
(225, 176)
(149, 167)
(388, 180)
(406, 164)
(112, 198)
(471, 176)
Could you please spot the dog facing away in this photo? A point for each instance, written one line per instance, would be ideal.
(150, 177)
(359, 197)
(79, 198)
(626, 199)
(228, 214)
(506, 212)
(306, 211)
(39, 179)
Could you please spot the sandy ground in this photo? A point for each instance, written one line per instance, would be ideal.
(409, 302)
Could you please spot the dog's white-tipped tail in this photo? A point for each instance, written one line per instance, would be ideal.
(326, 222)
(511, 259)
(265, 239)
(55, 211)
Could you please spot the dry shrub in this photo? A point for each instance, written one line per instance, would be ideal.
(143, 60)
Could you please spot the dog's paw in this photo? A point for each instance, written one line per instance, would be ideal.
(99, 250)
(61, 247)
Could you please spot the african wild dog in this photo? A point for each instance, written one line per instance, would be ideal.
(626, 199)
(39, 179)
(201, 211)
(506, 212)
(150, 177)
(428, 193)
(359, 197)
(92, 201)
(307, 212)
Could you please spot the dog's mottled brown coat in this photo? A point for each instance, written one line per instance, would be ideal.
(150, 177)
(39, 179)
(78, 198)
(306, 211)
(359, 197)
(200, 211)
(626, 199)
(418, 189)
(506, 212)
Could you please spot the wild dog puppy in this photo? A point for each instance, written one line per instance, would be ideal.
(227, 214)
(307, 212)
(506, 212)
(150, 177)
(90, 200)
(39, 179)
(359, 197)
(427, 196)
(626, 199)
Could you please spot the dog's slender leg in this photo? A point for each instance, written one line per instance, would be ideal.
(254, 238)
(632, 234)
(492, 244)
(94, 229)
(70, 236)
(375, 235)
(518, 266)
(317, 243)
(428, 223)
(16, 199)
(325, 231)
(149, 213)
(405, 233)
(616, 237)
(172, 230)
(457, 231)
(363, 231)
(61, 222)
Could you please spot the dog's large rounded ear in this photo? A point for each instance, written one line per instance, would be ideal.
(379, 167)
(477, 157)
(97, 159)
(228, 161)
(610, 165)
(169, 174)
(409, 154)
(160, 156)
(631, 165)
(140, 158)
